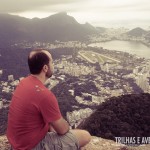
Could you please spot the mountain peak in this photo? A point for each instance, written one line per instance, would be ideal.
(60, 26)
(60, 14)
(62, 19)
(137, 32)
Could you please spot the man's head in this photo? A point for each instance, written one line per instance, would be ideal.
(40, 61)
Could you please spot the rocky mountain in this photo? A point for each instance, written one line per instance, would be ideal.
(59, 26)
(13, 27)
(123, 116)
(137, 32)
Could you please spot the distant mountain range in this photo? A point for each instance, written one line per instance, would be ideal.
(137, 32)
(59, 26)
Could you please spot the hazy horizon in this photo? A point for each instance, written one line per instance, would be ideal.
(99, 13)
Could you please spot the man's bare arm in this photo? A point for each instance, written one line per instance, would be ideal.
(61, 126)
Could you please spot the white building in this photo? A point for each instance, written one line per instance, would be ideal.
(10, 78)
(142, 81)
(1, 104)
(135, 70)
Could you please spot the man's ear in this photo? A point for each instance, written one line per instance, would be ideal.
(45, 68)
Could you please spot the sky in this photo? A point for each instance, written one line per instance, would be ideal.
(102, 13)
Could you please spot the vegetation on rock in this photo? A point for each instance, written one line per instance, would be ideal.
(123, 116)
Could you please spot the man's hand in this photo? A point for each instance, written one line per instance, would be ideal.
(51, 129)
(61, 126)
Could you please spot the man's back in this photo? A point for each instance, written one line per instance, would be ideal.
(28, 118)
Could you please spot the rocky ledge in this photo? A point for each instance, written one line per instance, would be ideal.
(96, 143)
(4, 144)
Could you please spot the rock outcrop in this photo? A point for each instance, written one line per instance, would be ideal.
(4, 144)
(96, 143)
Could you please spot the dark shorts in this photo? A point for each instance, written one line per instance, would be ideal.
(53, 141)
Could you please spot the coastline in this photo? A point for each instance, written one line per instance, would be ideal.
(139, 48)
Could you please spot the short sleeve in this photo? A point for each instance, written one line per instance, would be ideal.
(49, 108)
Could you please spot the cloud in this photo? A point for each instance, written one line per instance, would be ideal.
(92, 11)
(16, 6)
(12, 6)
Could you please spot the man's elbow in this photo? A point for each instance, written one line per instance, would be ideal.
(60, 126)
(63, 131)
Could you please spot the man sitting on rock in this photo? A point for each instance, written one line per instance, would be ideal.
(34, 120)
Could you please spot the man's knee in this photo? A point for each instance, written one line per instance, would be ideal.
(87, 136)
(82, 136)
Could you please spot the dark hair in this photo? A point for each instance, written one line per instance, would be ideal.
(37, 60)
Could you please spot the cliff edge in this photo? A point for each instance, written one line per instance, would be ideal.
(96, 143)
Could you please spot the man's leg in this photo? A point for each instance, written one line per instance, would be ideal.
(74, 139)
(53, 141)
(82, 136)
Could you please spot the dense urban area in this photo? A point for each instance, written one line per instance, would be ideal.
(86, 76)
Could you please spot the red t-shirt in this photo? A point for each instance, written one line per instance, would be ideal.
(32, 107)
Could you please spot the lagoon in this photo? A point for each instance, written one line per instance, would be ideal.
(132, 47)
